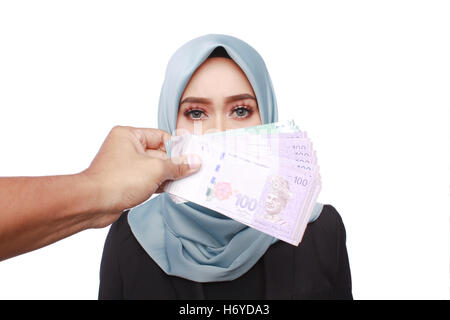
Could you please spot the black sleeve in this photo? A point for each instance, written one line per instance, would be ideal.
(343, 282)
(110, 279)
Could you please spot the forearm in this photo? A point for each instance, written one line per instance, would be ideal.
(37, 211)
(127, 170)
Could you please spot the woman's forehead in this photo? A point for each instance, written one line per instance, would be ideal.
(218, 76)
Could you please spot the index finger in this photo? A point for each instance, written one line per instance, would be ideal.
(151, 138)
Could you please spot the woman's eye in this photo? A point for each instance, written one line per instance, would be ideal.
(195, 114)
(241, 112)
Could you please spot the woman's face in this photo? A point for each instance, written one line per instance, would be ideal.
(218, 97)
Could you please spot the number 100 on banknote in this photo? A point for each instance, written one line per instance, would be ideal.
(264, 182)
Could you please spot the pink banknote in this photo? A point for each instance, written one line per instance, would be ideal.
(270, 183)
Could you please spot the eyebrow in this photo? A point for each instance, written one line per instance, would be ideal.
(227, 99)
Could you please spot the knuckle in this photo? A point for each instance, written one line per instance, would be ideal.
(116, 128)
(180, 170)
(119, 128)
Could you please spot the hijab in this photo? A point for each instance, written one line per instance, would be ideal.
(188, 240)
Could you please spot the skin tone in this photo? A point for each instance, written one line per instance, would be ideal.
(130, 166)
(218, 97)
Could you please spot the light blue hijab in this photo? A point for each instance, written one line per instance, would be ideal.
(188, 240)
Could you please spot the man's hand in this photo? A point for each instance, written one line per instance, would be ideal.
(132, 165)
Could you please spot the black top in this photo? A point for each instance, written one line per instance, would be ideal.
(317, 269)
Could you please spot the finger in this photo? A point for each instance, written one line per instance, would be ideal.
(180, 167)
(151, 138)
(161, 187)
(156, 154)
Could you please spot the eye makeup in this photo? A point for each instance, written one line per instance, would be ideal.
(194, 113)
(239, 111)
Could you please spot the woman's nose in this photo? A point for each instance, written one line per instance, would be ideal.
(220, 123)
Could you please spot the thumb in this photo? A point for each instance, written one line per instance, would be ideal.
(180, 167)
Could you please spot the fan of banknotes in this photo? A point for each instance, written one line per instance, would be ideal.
(266, 176)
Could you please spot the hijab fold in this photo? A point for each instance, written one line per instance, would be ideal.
(188, 240)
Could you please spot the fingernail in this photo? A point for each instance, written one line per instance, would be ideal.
(194, 161)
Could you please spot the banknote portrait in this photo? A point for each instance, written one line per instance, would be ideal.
(277, 199)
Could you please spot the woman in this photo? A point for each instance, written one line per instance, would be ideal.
(164, 250)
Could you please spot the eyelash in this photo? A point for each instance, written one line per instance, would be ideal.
(190, 110)
(248, 109)
(241, 106)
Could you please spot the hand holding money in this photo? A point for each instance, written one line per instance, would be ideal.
(265, 176)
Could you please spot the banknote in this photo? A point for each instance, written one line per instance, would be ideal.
(266, 178)
(273, 145)
(266, 129)
(240, 137)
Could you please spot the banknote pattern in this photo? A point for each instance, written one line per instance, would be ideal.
(266, 177)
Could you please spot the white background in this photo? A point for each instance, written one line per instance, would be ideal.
(368, 80)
